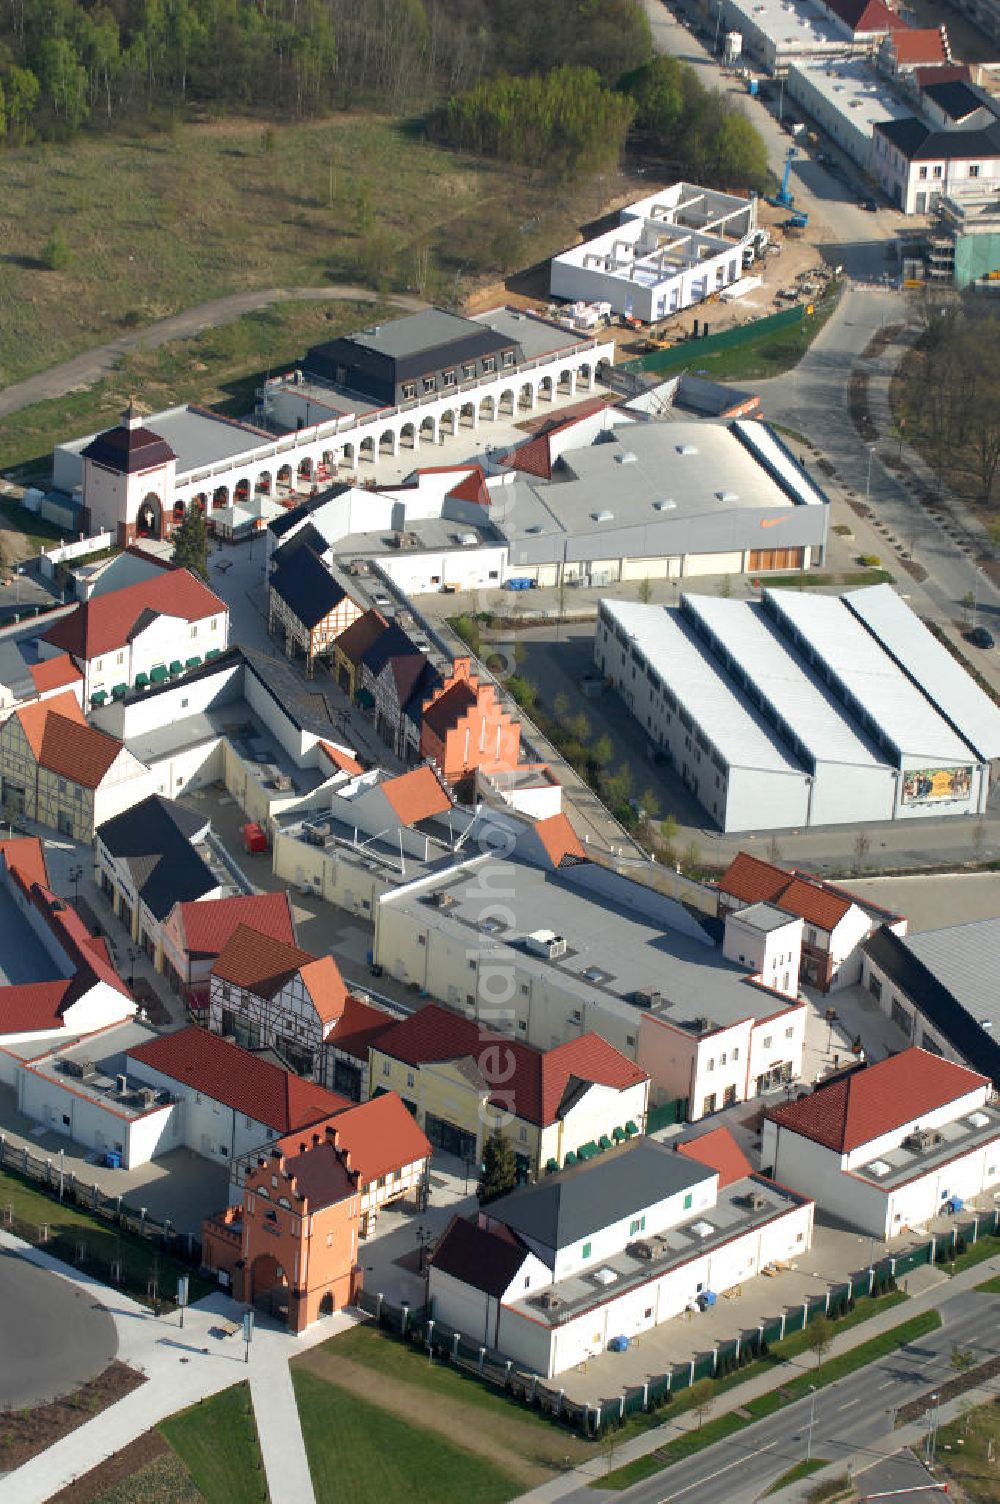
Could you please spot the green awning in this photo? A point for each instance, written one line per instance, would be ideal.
(630, 1128)
(119, 691)
(570, 1159)
(365, 699)
(177, 667)
(212, 653)
(158, 675)
(194, 662)
(98, 697)
(141, 681)
(604, 1142)
(618, 1134)
(551, 1165)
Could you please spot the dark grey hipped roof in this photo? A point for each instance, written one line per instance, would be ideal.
(307, 587)
(154, 840)
(487, 1261)
(568, 1206)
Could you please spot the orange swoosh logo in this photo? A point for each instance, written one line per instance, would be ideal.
(771, 521)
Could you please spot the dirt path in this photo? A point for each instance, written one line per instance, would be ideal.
(83, 370)
(531, 1453)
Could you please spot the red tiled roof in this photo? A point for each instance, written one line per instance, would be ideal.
(876, 1100)
(719, 1151)
(447, 710)
(864, 16)
(239, 1079)
(926, 44)
(355, 641)
(263, 965)
(357, 1027)
(31, 1007)
(380, 1136)
(753, 881)
(472, 488)
(416, 795)
(558, 838)
(54, 673)
(26, 856)
(952, 73)
(538, 1083)
(341, 759)
(534, 456)
(104, 623)
(62, 742)
(208, 924)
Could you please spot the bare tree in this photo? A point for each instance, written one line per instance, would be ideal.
(862, 846)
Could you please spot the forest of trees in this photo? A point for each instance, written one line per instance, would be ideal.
(552, 82)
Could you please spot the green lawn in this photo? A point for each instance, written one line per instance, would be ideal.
(796, 1473)
(217, 1442)
(102, 1242)
(967, 1451)
(990, 1286)
(976, 1253)
(360, 1454)
(770, 354)
(689, 1442)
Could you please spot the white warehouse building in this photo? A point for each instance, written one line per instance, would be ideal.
(803, 709)
(670, 251)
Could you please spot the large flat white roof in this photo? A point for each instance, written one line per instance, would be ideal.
(854, 89)
(889, 702)
(803, 704)
(942, 679)
(789, 24)
(737, 731)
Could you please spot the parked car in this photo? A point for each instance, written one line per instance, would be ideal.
(979, 637)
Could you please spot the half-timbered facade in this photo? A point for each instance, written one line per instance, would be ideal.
(266, 994)
(308, 606)
(399, 691)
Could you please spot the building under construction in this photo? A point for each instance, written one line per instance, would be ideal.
(961, 246)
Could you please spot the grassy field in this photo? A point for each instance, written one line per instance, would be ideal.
(963, 1453)
(359, 1453)
(221, 368)
(217, 1442)
(102, 1241)
(770, 354)
(163, 222)
(977, 1253)
(689, 1442)
(796, 1473)
(990, 1286)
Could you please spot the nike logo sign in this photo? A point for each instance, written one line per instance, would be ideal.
(771, 521)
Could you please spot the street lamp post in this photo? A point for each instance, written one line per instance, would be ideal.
(75, 874)
(812, 1422)
(930, 1446)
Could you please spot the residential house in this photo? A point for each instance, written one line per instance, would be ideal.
(551, 1273)
(464, 727)
(348, 1044)
(267, 994)
(56, 769)
(461, 1080)
(836, 923)
(56, 979)
(293, 1239)
(399, 689)
(194, 935)
(905, 50)
(142, 634)
(308, 606)
(154, 855)
(885, 1147)
(350, 648)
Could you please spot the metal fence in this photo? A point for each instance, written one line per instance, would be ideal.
(124, 1252)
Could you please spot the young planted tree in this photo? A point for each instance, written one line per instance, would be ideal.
(819, 1335)
(702, 1398)
(499, 1168)
(191, 544)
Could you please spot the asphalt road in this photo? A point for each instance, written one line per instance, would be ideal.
(852, 1416)
(53, 1337)
(904, 1474)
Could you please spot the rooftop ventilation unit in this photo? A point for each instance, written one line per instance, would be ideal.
(921, 1139)
(492, 927)
(728, 496)
(667, 505)
(545, 943)
(442, 900)
(755, 1201)
(549, 1301)
(602, 516)
(687, 449)
(626, 458)
(82, 1070)
(646, 997)
(879, 1168)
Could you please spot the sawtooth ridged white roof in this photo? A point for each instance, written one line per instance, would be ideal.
(724, 714)
(878, 685)
(955, 693)
(763, 443)
(808, 709)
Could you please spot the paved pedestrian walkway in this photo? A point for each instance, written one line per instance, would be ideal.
(182, 1366)
(641, 1446)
